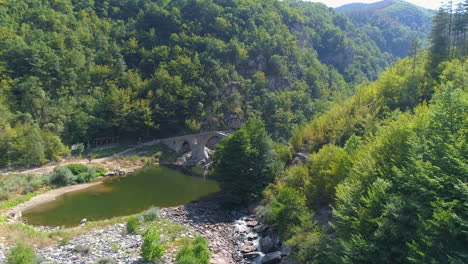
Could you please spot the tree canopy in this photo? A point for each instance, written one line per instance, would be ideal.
(75, 70)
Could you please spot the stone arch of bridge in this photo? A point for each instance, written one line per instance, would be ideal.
(211, 141)
(185, 147)
(194, 143)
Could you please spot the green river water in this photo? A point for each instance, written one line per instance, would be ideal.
(118, 196)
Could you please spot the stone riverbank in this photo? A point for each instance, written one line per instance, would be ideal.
(233, 237)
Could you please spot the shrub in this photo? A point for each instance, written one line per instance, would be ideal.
(297, 177)
(61, 176)
(37, 182)
(14, 182)
(4, 194)
(201, 250)
(64, 241)
(152, 248)
(288, 210)
(328, 167)
(132, 225)
(284, 153)
(148, 161)
(187, 259)
(21, 254)
(194, 253)
(83, 250)
(29, 188)
(92, 171)
(77, 168)
(152, 214)
(83, 177)
(99, 171)
(87, 175)
(140, 218)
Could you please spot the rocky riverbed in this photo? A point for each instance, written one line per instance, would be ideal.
(234, 236)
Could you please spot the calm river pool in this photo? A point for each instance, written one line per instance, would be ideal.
(118, 196)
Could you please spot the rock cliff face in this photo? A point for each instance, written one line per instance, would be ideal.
(233, 113)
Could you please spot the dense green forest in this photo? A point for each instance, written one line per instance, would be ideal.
(386, 178)
(391, 24)
(75, 70)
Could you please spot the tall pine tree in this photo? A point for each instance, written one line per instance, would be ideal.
(439, 50)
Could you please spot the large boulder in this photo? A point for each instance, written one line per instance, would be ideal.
(247, 249)
(267, 244)
(272, 258)
(285, 250)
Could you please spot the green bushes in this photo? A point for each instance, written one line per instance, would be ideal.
(74, 173)
(288, 211)
(4, 194)
(132, 225)
(187, 259)
(21, 254)
(194, 253)
(76, 169)
(19, 183)
(151, 214)
(61, 176)
(327, 168)
(152, 247)
(82, 249)
(284, 152)
(83, 173)
(396, 194)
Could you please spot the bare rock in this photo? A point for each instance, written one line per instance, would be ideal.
(252, 255)
(252, 223)
(267, 244)
(247, 249)
(285, 250)
(272, 258)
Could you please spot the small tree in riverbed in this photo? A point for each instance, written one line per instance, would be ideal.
(196, 252)
(132, 225)
(21, 254)
(152, 247)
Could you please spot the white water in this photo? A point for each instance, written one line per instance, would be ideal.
(243, 234)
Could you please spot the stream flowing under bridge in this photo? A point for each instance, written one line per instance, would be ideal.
(196, 143)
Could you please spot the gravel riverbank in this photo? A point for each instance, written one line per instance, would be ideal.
(218, 225)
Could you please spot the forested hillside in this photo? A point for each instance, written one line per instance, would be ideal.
(391, 24)
(386, 178)
(74, 70)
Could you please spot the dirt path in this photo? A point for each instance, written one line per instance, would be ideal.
(50, 167)
(101, 161)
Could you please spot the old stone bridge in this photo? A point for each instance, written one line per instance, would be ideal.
(198, 144)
